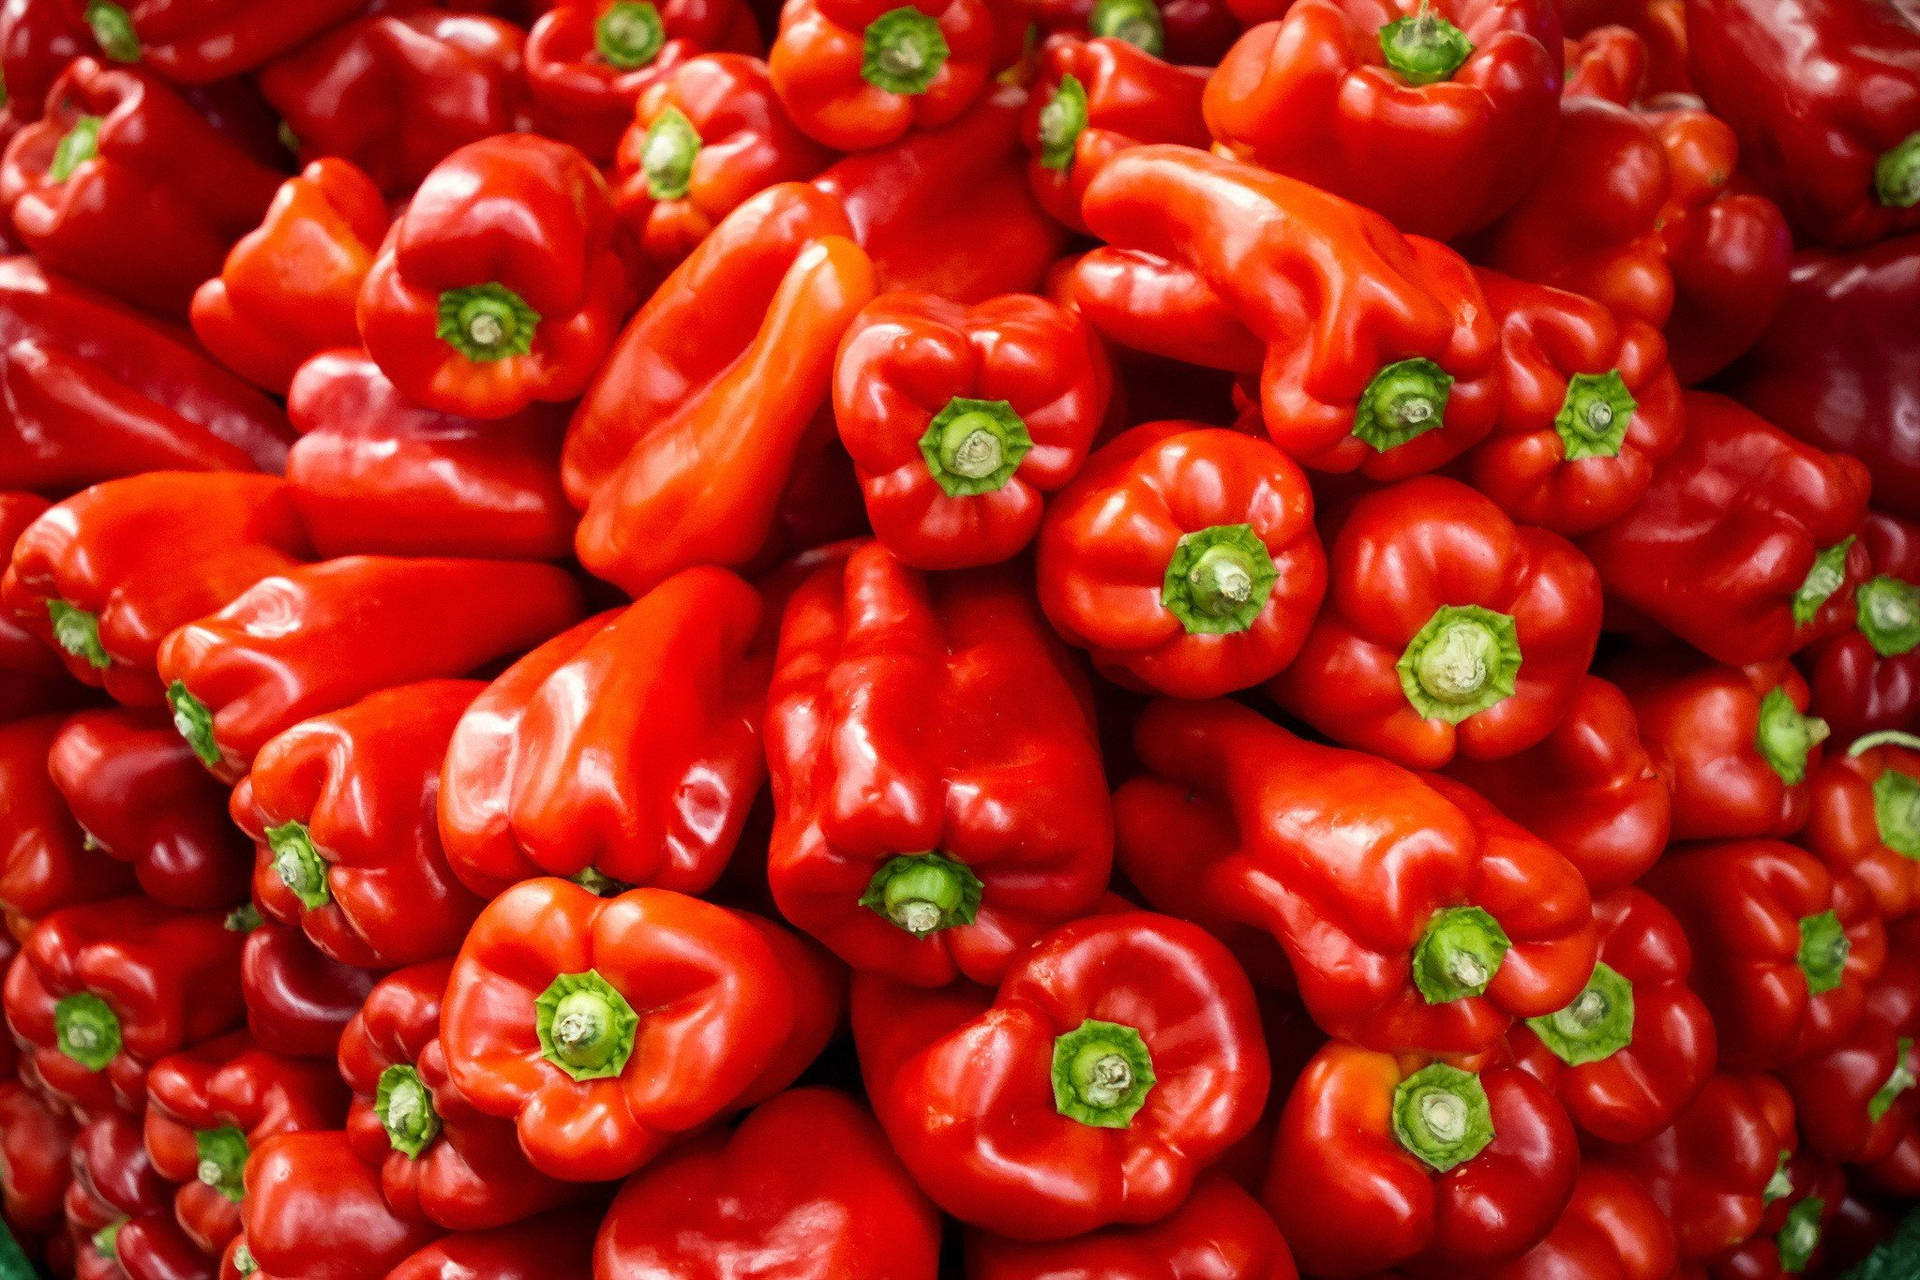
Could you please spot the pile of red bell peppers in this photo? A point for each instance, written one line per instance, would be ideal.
(918, 639)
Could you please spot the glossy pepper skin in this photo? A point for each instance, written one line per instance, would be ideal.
(297, 998)
(1440, 116)
(341, 809)
(395, 94)
(1737, 545)
(439, 1158)
(1791, 1237)
(104, 576)
(289, 286)
(1856, 1103)
(1391, 370)
(1630, 1052)
(34, 1164)
(195, 42)
(856, 74)
(1117, 1060)
(1588, 407)
(121, 163)
(1415, 917)
(95, 391)
(30, 674)
(1448, 629)
(322, 636)
(805, 1189)
(45, 860)
(1867, 678)
(560, 1243)
(605, 1028)
(1863, 818)
(314, 1212)
(209, 1106)
(1383, 1160)
(113, 1182)
(103, 991)
(1612, 1229)
(1820, 92)
(1783, 950)
(627, 748)
(915, 862)
(959, 420)
(1184, 559)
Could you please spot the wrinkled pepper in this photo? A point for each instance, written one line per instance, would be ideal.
(1867, 678)
(856, 74)
(314, 1212)
(1863, 818)
(46, 862)
(298, 999)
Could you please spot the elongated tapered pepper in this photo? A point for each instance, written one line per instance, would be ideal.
(200, 41)
(34, 1165)
(604, 1028)
(1742, 543)
(297, 998)
(855, 74)
(1588, 407)
(114, 1183)
(1867, 678)
(314, 1212)
(212, 1105)
(289, 287)
(960, 419)
(439, 1157)
(722, 1202)
(322, 636)
(1449, 629)
(556, 1243)
(1783, 950)
(915, 862)
(1390, 369)
(119, 164)
(1612, 1229)
(1630, 1052)
(101, 577)
(1240, 821)
(1857, 1103)
(103, 991)
(626, 750)
(1863, 818)
(1440, 116)
(46, 862)
(1127, 1056)
(1383, 1160)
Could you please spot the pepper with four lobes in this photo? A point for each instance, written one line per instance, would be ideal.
(1863, 818)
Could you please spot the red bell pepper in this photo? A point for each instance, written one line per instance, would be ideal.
(1180, 31)
(37, 41)
(1630, 1052)
(297, 999)
(289, 287)
(1743, 541)
(914, 861)
(119, 165)
(113, 1183)
(1607, 62)
(30, 675)
(94, 392)
(209, 1107)
(1783, 950)
(684, 444)
(1383, 1160)
(1449, 629)
(856, 74)
(1791, 1236)
(341, 809)
(558, 1243)
(103, 991)
(1589, 789)
(1856, 1103)
(142, 798)
(320, 637)
(1588, 407)
(34, 1165)
(1864, 818)
(46, 862)
(1868, 677)
(732, 1201)
(606, 1028)
(1119, 1058)
(1440, 116)
(314, 1212)
(626, 750)
(960, 419)
(1612, 1229)
(703, 137)
(439, 1157)
(1094, 98)
(155, 1247)
(200, 41)
(1661, 25)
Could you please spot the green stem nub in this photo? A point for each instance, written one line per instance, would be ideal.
(1800, 1234)
(1899, 1080)
(586, 1028)
(1780, 1185)
(905, 50)
(244, 1261)
(1594, 418)
(629, 35)
(1138, 22)
(106, 1241)
(223, 1161)
(924, 893)
(1596, 1025)
(487, 322)
(112, 28)
(86, 1030)
(1465, 660)
(78, 632)
(194, 722)
(1424, 48)
(1896, 178)
(1404, 401)
(244, 918)
(405, 1107)
(1062, 121)
(1459, 954)
(1102, 1073)
(1218, 580)
(81, 144)
(298, 864)
(1887, 611)
(1786, 738)
(974, 446)
(1823, 952)
(1896, 811)
(667, 154)
(1828, 573)
(1441, 1115)
(599, 883)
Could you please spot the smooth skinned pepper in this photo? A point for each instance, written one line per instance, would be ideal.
(1867, 678)
(1792, 1234)
(560, 1242)
(1612, 1229)
(35, 1168)
(856, 74)
(297, 997)
(30, 674)
(313, 1210)
(114, 1185)
(1856, 1103)
(45, 860)
(1863, 818)
(195, 42)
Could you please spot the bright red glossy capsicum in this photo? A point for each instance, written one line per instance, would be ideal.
(1180, 31)
(297, 998)
(30, 675)
(560, 1242)
(1612, 1229)
(1867, 678)
(1608, 62)
(856, 74)
(114, 1184)
(46, 862)
(34, 1167)
(1863, 818)
(1791, 1237)
(1856, 1103)
(314, 1212)
(200, 41)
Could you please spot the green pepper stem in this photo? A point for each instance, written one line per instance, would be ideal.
(1459, 954)
(299, 865)
(1800, 1234)
(1887, 612)
(86, 1030)
(1595, 416)
(194, 722)
(1404, 401)
(1896, 811)
(973, 447)
(1138, 22)
(112, 28)
(1102, 1074)
(243, 1260)
(487, 322)
(80, 144)
(1424, 48)
(1780, 1185)
(1896, 178)
(1219, 579)
(1463, 661)
(667, 154)
(222, 1160)
(1828, 574)
(78, 632)
(1062, 121)
(629, 35)
(585, 1026)
(903, 52)
(1898, 1081)
(924, 893)
(106, 1241)
(1786, 738)
(1824, 948)
(1595, 1025)
(405, 1107)
(1441, 1115)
